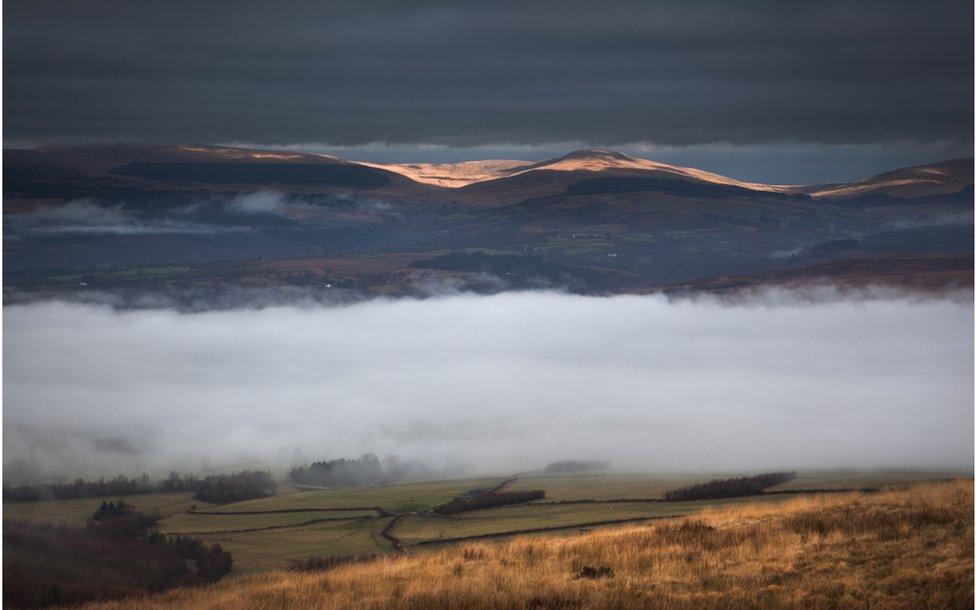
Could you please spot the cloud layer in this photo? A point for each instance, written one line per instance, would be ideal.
(504, 382)
(473, 73)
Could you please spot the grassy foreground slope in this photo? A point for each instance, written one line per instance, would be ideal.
(907, 548)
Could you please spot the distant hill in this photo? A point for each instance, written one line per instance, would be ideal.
(918, 181)
(187, 164)
(593, 221)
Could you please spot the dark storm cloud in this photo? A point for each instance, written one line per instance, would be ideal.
(464, 74)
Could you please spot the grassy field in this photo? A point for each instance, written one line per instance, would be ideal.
(290, 540)
(495, 521)
(848, 479)
(274, 549)
(605, 486)
(394, 498)
(907, 548)
(77, 512)
(293, 537)
(617, 486)
(191, 523)
(416, 528)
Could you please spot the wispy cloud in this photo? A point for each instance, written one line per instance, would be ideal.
(86, 216)
(259, 202)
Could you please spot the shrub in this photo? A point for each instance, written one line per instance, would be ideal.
(214, 564)
(187, 547)
(595, 572)
(121, 520)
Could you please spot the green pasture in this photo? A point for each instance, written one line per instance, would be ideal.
(277, 535)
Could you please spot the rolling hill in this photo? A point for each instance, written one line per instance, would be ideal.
(594, 221)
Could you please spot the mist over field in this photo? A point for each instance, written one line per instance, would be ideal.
(502, 383)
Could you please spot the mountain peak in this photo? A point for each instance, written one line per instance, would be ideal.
(602, 154)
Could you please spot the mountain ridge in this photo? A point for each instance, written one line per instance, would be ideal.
(479, 177)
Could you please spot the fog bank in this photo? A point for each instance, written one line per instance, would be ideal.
(502, 382)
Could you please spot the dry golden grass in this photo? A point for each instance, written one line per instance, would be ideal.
(911, 548)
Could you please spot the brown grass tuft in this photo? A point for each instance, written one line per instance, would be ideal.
(897, 549)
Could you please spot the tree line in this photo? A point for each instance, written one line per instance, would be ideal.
(246, 485)
(729, 488)
(489, 499)
(216, 489)
(80, 488)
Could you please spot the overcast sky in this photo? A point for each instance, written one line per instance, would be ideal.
(764, 90)
(502, 383)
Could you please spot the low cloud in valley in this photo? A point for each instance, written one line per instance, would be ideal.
(503, 383)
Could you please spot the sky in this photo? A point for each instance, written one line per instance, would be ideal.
(500, 383)
(761, 90)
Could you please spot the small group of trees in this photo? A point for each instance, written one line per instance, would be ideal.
(219, 489)
(80, 488)
(123, 521)
(489, 499)
(211, 562)
(368, 469)
(342, 472)
(730, 488)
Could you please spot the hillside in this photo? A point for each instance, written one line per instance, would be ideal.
(608, 161)
(918, 181)
(453, 175)
(897, 549)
